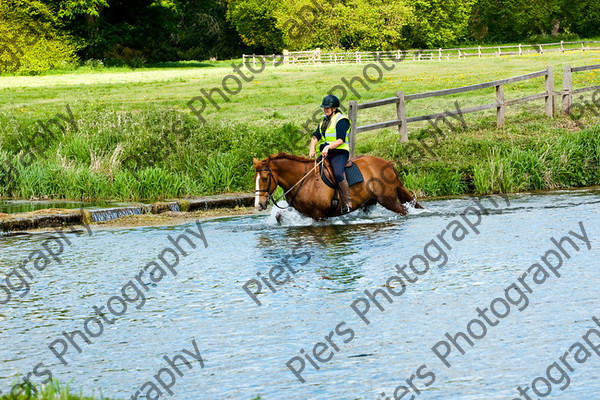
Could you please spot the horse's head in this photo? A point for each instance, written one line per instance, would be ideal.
(265, 183)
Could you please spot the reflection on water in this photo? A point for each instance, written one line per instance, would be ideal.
(246, 347)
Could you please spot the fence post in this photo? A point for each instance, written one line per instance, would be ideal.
(401, 112)
(254, 59)
(549, 93)
(567, 98)
(520, 50)
(499, 51)
(479, 51)
(500, 107)
(459, 54)
(582, 47)
(541, 49)
(440, 54)
(562, 47)
(352, 115)
(286, 57)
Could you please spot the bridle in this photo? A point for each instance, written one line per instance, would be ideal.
(268, 182)
(269, 196)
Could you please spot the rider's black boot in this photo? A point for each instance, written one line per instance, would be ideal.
(345, 193)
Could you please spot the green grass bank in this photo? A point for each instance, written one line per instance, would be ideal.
(51, 391)
(129, 134)
(56, 391)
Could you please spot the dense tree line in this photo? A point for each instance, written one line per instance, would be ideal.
(134, 32)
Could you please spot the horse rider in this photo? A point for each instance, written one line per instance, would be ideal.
(331, 135)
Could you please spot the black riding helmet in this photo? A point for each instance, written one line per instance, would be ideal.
(330, 101)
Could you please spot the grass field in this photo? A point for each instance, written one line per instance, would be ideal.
(132, 135)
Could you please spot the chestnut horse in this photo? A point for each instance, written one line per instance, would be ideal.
(306, 192)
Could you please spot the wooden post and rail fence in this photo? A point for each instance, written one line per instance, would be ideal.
(568, 92)
(317, 57)
(401, 99)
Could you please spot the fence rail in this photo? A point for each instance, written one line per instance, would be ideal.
(500, 104)
(357, 57)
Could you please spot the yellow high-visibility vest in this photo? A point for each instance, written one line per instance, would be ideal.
(329, 136)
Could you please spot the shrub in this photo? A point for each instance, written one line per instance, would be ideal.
(30, 46)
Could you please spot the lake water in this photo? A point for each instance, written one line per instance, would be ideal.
(245, 347)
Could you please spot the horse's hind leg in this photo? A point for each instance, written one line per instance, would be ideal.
(392, 203)
(387, 197)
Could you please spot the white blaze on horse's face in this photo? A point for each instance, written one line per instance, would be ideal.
(262, 194)
(257, 198)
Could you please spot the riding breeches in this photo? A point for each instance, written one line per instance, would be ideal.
(338, 163)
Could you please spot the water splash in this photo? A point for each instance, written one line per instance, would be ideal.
(289, 216)
(410, 208)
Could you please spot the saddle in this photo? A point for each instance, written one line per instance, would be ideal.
(353, 176)
(352, 172)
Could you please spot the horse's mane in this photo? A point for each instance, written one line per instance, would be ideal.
(287, 156)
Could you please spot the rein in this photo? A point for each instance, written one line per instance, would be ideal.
(270, 197)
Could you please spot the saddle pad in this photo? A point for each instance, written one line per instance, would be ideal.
(353, 175)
